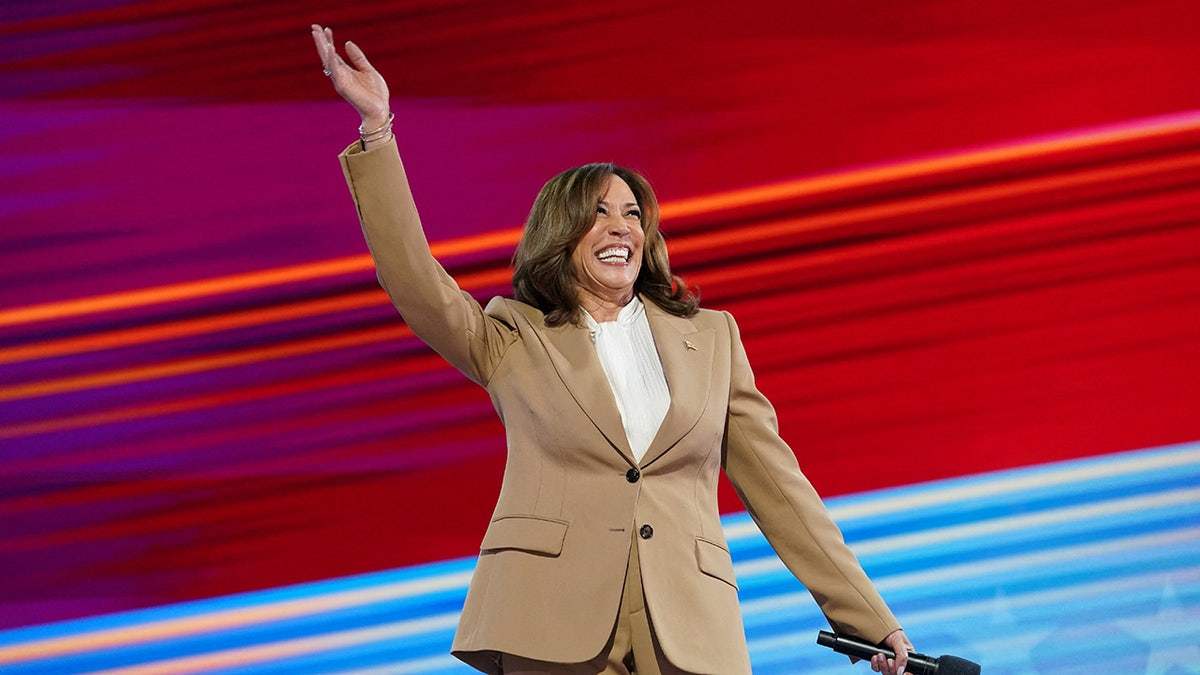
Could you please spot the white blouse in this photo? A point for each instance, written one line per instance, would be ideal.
(626, 350)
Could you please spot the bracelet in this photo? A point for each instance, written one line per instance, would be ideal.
(377, 134)
(386, 137)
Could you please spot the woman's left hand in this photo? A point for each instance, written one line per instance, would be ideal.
(358, 82)
(899, 643)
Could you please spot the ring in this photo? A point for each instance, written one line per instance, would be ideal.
(326, 71)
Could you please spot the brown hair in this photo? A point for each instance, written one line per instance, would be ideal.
(564, 211)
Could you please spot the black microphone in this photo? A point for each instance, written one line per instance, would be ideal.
(918, 664)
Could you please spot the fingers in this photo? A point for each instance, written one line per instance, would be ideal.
(319, 41)
(323, 39)
(882, 664)
(327, 49)
(901, 646)
(357, 57)
(330, 60)
(901, 661)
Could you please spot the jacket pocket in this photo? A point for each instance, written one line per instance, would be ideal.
(715, 561)
(535, 534)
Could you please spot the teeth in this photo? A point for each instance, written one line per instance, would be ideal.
(617, 253)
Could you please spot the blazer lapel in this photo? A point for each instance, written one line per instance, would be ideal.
(574, 358)
(687, 357)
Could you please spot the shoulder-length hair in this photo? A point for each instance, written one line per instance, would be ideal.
(564, 211)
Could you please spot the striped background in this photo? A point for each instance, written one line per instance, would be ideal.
(1074, 567)
(961, 242)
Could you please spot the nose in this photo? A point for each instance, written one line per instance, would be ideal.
(618, 227)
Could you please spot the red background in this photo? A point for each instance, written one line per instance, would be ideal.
(957, 237)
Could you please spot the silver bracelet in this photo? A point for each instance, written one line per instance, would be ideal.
(377, 134)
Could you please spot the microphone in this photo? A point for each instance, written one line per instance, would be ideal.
(918, 664)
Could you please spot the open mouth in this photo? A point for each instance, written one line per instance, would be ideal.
(614, 255)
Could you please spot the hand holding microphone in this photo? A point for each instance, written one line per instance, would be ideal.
(918, 664)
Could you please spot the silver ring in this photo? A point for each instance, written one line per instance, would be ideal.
(326, 71)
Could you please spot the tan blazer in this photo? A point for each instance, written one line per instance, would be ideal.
(552, 563)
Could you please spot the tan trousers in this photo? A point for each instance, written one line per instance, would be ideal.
(632, 649)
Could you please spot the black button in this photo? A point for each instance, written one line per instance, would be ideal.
(633, 475)
(646, 532)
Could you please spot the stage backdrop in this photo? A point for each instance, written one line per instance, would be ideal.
(961, 241)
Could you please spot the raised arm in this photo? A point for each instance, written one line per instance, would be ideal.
(437, 310)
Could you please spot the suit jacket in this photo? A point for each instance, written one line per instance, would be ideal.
(573, 500)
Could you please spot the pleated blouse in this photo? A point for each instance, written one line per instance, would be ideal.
(634, 370)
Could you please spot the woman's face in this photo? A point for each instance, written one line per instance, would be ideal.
(608, 258)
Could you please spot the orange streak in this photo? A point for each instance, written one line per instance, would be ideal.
(501, 239)
(814, 185)
(1021, 188)
(234, 283)
(189, 327)
(227, 360)
(505, 239)
(217, 620)
(222, 398)
(183, 291)
(1018, 188)
(227, 397)
(179, 367)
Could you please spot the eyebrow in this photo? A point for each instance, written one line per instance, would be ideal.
(608, 203)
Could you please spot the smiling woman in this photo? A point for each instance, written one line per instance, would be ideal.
(578, 215)
(622, 403)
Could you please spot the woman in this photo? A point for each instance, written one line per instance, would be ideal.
(621, 402)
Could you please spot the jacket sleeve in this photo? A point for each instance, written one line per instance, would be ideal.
(767, 478)
(441, 314)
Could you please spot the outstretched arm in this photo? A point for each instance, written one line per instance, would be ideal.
(767, 477)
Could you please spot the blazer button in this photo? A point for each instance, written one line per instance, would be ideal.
(646, 532)
(633, 475)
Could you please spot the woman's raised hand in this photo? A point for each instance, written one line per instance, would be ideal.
(357, 82)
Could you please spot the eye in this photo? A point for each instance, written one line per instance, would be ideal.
(601, 210)
(635, 213)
